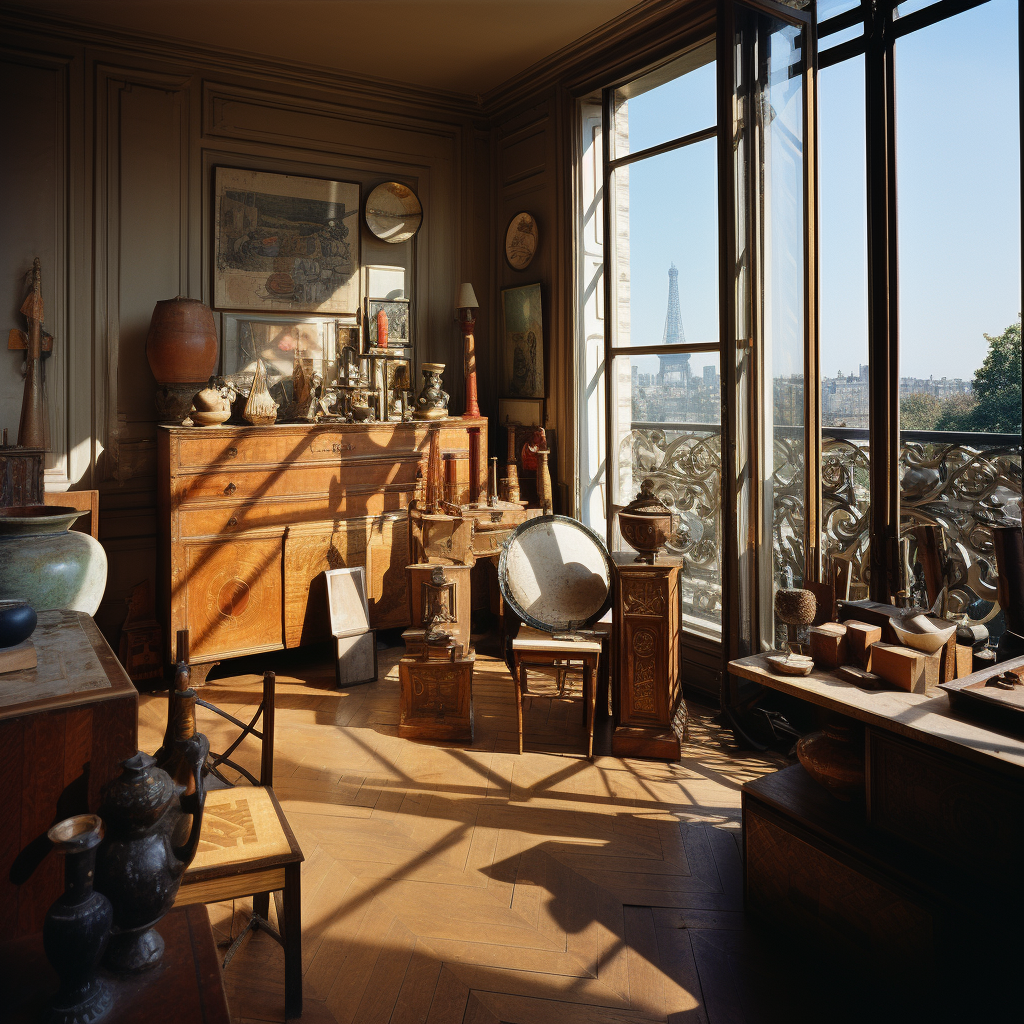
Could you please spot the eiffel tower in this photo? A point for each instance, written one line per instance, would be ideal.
(675, 367)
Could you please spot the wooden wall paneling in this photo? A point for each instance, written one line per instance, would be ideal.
(36, 178)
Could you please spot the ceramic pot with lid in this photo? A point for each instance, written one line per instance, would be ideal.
(646, 523)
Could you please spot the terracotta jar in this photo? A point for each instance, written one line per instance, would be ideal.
(182, 342)
(834, 757)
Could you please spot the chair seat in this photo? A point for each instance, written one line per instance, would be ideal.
(244, 834)
(530, 639)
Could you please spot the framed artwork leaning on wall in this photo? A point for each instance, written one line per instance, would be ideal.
(523, 348)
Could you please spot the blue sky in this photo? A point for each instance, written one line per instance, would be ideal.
(958, 187)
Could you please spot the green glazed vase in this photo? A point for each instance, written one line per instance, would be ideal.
(46, 565)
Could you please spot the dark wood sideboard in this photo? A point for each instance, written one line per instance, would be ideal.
(916, 877)
(252, 516)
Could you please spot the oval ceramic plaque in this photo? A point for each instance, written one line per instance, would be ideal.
(521, 240)
(393, 212)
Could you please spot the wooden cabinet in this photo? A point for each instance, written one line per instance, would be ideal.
(252, 516)
(65, 727)
(650, 714)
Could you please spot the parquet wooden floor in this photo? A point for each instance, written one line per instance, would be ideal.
(447, 884)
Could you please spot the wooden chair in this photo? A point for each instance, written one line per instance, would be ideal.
(534, 649)
(246, 846)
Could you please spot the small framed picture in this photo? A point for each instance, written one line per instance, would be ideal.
(278, 341)
(521, 239)
(527, 412)
(386, 281)
(395, 320)
(523, 363)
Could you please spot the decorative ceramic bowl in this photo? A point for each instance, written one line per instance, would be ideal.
(645, 523)
(17, 622)
(927, 643)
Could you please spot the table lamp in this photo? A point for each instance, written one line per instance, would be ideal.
(467, 305)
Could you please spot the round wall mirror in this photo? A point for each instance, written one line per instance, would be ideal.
(393, 212)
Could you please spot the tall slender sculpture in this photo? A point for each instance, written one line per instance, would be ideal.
(467, 306)
(34, 429)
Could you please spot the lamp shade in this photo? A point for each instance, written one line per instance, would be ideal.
(467, 297)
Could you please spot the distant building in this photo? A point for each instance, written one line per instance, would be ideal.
(674, 368)
(710, 377)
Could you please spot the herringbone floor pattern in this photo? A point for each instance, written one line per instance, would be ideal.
(447, 884)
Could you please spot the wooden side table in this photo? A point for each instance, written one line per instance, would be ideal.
(186, 986)
(65, 728)
(650, 713)
(534, 649)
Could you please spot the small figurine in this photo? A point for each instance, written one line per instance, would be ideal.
(432, 403)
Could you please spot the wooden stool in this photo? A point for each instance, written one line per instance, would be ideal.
(535, 649)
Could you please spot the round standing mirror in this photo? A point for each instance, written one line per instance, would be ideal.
(555, 574)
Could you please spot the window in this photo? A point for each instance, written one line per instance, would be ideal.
(925, 97)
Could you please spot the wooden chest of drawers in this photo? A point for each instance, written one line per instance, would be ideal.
(252, 516)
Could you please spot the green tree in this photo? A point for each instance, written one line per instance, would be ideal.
(997, 394)
(919, 411)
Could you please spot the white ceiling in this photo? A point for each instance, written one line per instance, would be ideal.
(463, 46)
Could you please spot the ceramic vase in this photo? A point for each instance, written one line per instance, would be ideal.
(432, 403)
(77, 926)
(17, 622)
(148, 845)
(46, 565)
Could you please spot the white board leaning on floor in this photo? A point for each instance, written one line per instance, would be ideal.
(355, 644)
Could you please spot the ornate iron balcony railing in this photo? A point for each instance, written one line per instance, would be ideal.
(958, 482)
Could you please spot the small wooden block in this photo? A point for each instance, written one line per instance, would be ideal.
(828, 644)
(18, 658)
(859, 638)
(909, 670)
(859, 677)
(947, 670)
(964, 660)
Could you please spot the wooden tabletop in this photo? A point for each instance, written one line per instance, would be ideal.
(925, 717)
(75, 666)
(530, 639)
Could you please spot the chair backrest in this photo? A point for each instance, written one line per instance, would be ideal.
(265, 734)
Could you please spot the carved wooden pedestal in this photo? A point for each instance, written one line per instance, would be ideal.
(650, 714)
(437, 699)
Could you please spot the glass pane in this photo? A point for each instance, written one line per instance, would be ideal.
(830, 8)
(843, 305)
(782, 297)
(666, 252)
(901, 10)
(960, 265)
(675, 100)
(667, 427)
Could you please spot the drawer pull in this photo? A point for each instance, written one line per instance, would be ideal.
(232, 521)
(232, 452)
(230, 489)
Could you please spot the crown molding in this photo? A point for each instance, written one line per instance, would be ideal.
(16, 18)
(636, 37)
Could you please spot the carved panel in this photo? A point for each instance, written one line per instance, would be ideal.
(644, 669)
(643, 597)
(436, 699)
(310, 550)
(233, 596)
(388, 555)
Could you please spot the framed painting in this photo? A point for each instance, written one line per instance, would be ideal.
(284, 243)
(523, 361)
(278, 341)
(529, 412)
(387, 281)
(396, 312)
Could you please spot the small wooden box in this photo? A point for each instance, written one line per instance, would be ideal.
(828, 644)
(436, 699)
